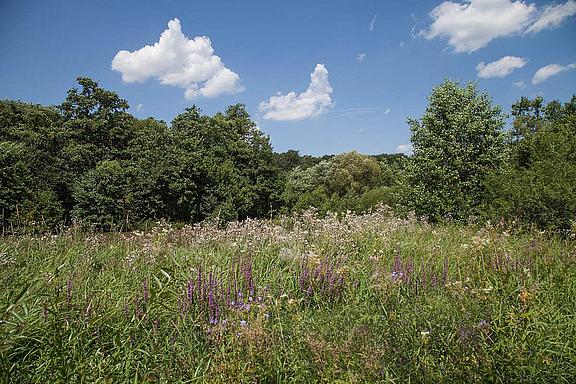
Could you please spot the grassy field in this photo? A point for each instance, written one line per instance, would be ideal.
(368, 298)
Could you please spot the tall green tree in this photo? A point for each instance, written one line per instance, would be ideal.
(457, 143)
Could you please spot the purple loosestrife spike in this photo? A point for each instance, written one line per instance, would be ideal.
(309, 291)
(397, 266)
(251, 281)
(331, 282)
(199, 284)
(303, 278)
(423, 268)
(445, 272)
(317, 271)
(210, 297)
(146, 290)
(139, 311)
(204, 290)
(190, 291)
(181, 307)
(409, 268)
(229, 289)
(68, 291)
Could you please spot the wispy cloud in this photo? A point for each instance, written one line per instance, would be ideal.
(548, 71)
(371, 28)
(519, 84)
(139, 107)
(361, 57)
(345, 112)
(500, 68)
(552, 16)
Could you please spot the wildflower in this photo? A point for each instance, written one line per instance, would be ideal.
(424, 333)
(524, 296)
(243, 323)
(146, 290)
(68, 291)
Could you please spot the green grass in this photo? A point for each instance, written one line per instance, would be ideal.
(365, 298)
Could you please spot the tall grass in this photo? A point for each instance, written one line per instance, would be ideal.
(369, 298)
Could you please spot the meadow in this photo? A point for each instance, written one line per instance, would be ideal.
(348, 298)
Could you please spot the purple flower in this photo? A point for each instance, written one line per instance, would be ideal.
(146, 290)
(68, 291)
(190, 291)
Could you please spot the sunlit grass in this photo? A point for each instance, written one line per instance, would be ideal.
(357, 299)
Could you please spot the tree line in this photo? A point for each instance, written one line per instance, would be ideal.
(88, 161)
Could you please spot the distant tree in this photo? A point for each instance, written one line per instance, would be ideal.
(349, 181)
(457, 143)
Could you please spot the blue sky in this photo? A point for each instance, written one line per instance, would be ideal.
(357, 69)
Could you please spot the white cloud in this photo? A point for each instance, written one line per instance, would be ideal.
(519, 84)
(313, 102)
(471, 25)
(500, 68)
(406, 149)
(371, 28)
(139, 107)
(179, 61)
(552, 16)
(361, 57)
(544, 73)
(347, 112)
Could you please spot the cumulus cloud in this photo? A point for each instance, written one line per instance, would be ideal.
(313, 102)
(548, 71)
(471, 25)
(179, 61)
(500, 68)
(553, 16)
(361, 57)
(406, 149)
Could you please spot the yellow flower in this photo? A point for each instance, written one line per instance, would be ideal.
(524, 296)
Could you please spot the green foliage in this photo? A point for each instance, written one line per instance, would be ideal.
(457, 144)
(349, 181)
(418, 304)
(110, 196)
(538, 185)
(91, 161)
